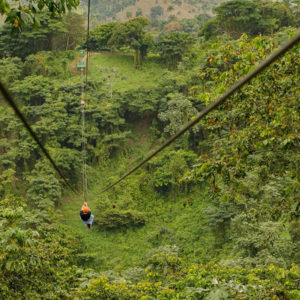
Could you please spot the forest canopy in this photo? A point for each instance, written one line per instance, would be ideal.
(214, 216)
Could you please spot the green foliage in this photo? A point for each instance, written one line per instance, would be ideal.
(44, 191)
(33, 263)
(132, 33)
(252, 17)
(160, 236)
(236, 16)
(226, 192)
(247, 164)
(211, 281)
(172, 47)
(261, 243)
(163, 262)
(219, 220)
(115, 218)
(33, 66)
(19, 16)
(100, 37)
(179, 111)
(210, 29)
(139, 12)
(10, 69)
(170, 168)
(60, 33)
(156, 11)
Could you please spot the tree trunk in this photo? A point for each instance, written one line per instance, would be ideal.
(136, 57)
(67, 46)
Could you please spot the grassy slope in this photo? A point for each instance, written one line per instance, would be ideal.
(123, 248)
(180, 11)
(146, 76)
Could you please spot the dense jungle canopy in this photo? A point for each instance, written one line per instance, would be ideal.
(213, 216)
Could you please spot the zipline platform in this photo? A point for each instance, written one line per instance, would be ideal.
(80, 65)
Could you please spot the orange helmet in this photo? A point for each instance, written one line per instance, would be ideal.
(85, 209)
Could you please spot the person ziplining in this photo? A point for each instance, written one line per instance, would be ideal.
(86, 215)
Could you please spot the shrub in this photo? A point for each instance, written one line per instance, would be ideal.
(111, 219)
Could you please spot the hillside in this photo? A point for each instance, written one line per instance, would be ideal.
(115, 10)
(181, 10)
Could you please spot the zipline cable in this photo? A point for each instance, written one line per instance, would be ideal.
(83, 101)
(10, 100)
(215, 104)
(87, 43)
(83, 142)
(84, 172)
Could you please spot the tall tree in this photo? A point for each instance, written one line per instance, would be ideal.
(172, 46)
(74, 24)
(156, 11)
(251, 17)
(132, 33)
(100, 36)
(238, 16)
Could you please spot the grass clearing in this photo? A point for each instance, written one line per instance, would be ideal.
(128, 77)
(123, 248)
